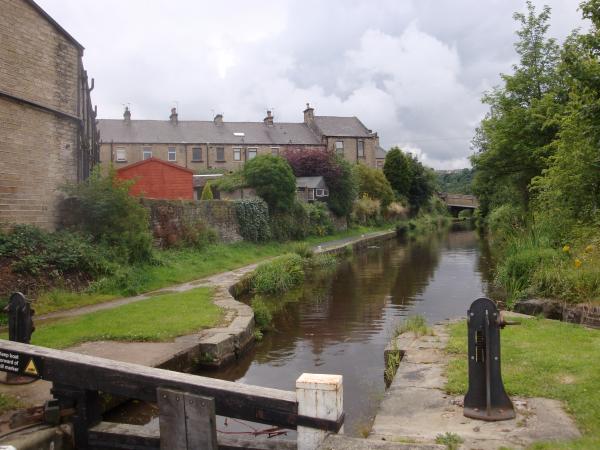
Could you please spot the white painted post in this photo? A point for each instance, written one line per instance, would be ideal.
(319, 396)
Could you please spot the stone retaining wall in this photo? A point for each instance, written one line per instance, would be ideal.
(168, 218)
(581, 313)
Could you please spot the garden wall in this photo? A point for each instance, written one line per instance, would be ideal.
(168, 217)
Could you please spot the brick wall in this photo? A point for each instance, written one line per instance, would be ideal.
(38, 148)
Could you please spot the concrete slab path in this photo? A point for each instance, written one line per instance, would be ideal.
(417, 409)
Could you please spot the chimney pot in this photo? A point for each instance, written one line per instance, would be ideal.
(309, 114)
(269, 119)
(173, 117)
(127, 115)
(218, 120)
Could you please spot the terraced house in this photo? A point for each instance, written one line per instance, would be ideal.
(219, 144)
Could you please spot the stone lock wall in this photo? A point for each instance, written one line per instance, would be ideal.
(167, 218)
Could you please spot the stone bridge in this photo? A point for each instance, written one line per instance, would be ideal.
(458, 202)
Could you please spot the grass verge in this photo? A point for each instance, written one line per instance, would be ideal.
(179, 266)
(544, 358)
(159, 318)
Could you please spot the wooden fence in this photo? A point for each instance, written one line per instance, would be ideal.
(187, 403)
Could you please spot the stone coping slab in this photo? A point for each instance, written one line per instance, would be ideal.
(416, 407)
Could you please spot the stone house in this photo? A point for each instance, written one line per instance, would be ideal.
(47, 123)
(218, 144)
(310, 189)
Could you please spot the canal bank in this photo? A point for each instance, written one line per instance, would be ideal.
(417, 408)
(211, 347)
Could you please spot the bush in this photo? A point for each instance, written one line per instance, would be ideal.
(198, 235)
(293, 224)
(303, 249)
(105, 210)
(273, 180)
(319, 218)
(396, 211)
(207, 192)
(253, 217)
(279, 275)
(34, 251)
(465, 214)
(323, 261)
(366, 210)
(373, 183)
(505, 222)
(231, 182)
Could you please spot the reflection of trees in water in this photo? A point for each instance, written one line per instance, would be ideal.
(486, 265)
(349, 305)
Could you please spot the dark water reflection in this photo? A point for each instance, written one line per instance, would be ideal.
(340, 323)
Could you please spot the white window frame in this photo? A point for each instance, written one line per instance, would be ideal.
(222, 149)
(121, 154)
(319, 192)
(339, 149)
(310, 195)
(200, 150)
(172, 151)
(146, 150)
(250, 151)
(360, 152)
(237, 154)
(275, 151)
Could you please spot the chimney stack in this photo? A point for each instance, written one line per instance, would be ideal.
(173, 116)
(218, 120)
(309, 114)
(127, 115)
(269, 119)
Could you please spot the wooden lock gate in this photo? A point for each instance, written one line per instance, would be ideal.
(187, 403)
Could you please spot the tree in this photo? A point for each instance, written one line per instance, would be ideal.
(397, 171)
(336, 172)
(374, 183)
(206, 192)
(514, 141)
(422, 181)
(105, 210)
(273, 180)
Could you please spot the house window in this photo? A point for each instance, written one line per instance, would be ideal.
(221, 154)
(275, 151)
(339, 147)
(252, 153)
(379, 164)
(172, 154)
(237, 154)
(147, 153)
(320, 193)
(360, 149)
(196, 154)
(121, 157)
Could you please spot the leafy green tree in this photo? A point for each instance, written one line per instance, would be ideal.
(570, 187)
(105, 210)
(455, 182)
(207, 192)
(396, 169)
(374, 183)
(514, 141)
(422, 181)
(273, 179)
(342, 190)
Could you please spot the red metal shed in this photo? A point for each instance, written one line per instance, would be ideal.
(159, 179)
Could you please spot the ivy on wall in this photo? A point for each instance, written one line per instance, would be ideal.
(253, 217)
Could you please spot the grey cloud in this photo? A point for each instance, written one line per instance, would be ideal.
(414, 70)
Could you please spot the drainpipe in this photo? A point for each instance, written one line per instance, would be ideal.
(207, 153)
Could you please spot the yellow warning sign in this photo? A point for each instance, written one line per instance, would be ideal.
(30, 368)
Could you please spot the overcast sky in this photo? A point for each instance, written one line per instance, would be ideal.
(412, 70)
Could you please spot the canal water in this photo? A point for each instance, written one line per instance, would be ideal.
(340, 321)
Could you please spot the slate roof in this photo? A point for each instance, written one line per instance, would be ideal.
(380, 153)
(199, 132)
(341, 126)
(310, 182)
